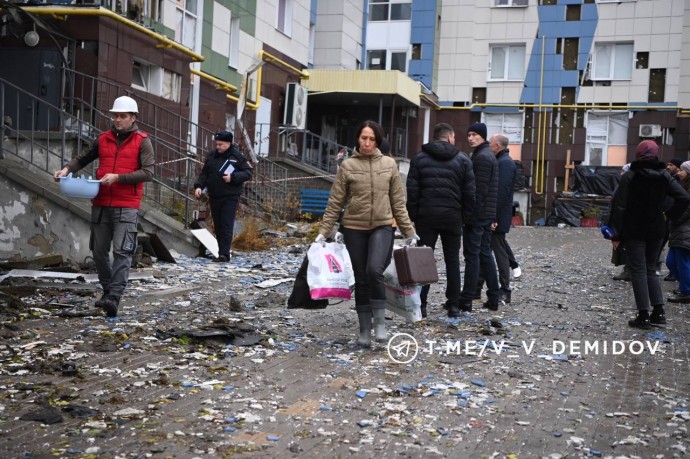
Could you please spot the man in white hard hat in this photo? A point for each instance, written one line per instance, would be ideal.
(125, 162)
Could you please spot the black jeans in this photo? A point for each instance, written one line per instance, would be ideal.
(223, 211)
(451, 241)
(641, 261)
(478, 259)
(370, 253)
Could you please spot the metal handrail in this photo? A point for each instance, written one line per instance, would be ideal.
(43, 135)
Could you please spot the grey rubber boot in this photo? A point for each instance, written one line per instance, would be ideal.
(379, 312)
(364, 329)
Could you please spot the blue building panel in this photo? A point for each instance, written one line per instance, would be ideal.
(589, 12)
(551, 13)
(552, 77)
(422, 34)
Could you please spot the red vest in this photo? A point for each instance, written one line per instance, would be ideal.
(119, 159)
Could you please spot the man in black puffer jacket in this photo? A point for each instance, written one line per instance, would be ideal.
(440, 197)
(223, 176)
(478, 230)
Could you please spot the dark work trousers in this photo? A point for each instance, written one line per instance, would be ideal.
(500, 247)
(116, 227)
(479, 258)
(641, 261)
(370, 255)
(678, 262)
(223, 211)
(451, 241)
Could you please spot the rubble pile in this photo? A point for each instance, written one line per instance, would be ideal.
(205, 360)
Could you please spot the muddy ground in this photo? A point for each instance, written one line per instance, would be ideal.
(206, 361)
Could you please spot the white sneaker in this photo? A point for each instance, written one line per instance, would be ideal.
(517, 272)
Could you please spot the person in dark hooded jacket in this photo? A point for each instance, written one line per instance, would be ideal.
(440, 197)
(638, 222)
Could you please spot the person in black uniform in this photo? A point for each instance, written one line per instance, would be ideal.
(223, 176)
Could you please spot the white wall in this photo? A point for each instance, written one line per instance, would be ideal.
(338, 36)
(467, 29)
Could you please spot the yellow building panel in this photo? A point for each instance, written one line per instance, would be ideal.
(363, 81)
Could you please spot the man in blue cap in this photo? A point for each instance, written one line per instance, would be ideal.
(223, 176)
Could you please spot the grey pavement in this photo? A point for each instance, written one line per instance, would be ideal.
(557, 373)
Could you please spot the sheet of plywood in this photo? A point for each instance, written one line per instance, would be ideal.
(207, 239)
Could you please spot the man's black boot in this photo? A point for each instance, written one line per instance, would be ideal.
(641, 321)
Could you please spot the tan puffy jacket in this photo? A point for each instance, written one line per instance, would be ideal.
(370, 190)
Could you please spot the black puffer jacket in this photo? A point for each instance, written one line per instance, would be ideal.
(440, 186)
(212, 179)
(486, 180)
(638, 202)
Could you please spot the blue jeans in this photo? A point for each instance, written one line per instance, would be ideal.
(370, 253)
(479, 258)
(451, 241)
(641, 261)
(678, 262)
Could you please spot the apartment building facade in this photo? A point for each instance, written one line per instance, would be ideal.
(570, 81)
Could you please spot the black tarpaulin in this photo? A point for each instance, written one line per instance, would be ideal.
(600, 180)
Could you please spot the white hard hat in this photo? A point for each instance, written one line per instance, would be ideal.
(125, 104)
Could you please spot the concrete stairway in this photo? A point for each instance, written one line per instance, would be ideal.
(37, 219)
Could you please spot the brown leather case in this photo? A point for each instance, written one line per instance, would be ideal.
(415, 265)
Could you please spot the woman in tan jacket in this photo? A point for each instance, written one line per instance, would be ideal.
(369, 188)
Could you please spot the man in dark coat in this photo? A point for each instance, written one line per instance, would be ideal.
(504, 211)
(479, 227)
(223, 175)
(440, 197)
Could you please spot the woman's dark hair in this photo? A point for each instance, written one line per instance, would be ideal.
(376, 127)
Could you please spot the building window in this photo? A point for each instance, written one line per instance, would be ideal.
(380, 59)
(511, 124)
(140, 76)
(612, 61)
(171, 86)
(185, 22)
(389, 10)
(511, 2)
(507, 63)
(399, 61)
(376, 59)
(416, 50)
(284, 18)
(234, 51)
(157, 81)
(606, 131)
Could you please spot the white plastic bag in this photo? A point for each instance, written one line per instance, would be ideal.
(330, 272)
(404, 301)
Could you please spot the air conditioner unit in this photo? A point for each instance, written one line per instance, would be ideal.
(295, 106)
(650, 130)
